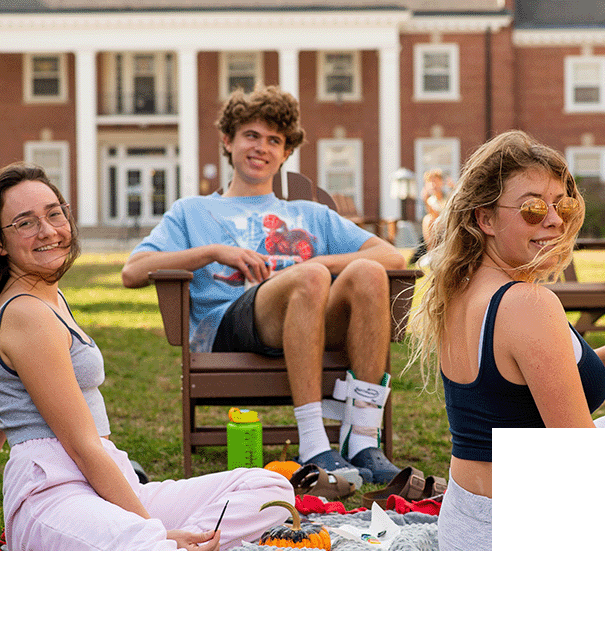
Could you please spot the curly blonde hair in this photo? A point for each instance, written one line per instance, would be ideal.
(460, 242)
(271, 105)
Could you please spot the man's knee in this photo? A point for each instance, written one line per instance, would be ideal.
(367, 280)
(311, 282)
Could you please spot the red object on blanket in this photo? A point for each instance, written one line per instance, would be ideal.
(308, 504)
(3, 538)
(402, 506)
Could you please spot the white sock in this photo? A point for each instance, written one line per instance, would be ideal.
(313, 438)
(358, 437)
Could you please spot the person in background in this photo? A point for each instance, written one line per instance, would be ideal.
(434, 196)
(66, 485)
(510, 223)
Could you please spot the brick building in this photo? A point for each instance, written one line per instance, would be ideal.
(117, 99)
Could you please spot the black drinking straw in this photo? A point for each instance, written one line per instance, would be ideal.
(221, 517)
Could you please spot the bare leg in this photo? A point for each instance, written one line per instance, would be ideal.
(290, 313)
(358, 318)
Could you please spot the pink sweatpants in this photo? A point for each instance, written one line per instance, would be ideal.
(49, 505)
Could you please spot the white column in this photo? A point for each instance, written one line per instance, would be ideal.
(289, 81)
(188, 122)
(87, 202)
(389, 128)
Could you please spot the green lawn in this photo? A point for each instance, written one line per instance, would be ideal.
(142, 389)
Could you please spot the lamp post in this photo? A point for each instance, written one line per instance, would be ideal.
(403, 186)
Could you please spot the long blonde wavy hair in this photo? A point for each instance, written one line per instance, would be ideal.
(460, 242)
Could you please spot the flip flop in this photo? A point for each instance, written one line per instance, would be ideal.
(333, 462)
(313, 480)
(409, 483)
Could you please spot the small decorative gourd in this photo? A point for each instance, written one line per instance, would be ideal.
(283, 466)
(308, 535)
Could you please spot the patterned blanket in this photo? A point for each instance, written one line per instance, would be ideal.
(418, 532)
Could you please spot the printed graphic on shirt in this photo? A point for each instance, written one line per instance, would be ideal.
(284, 246)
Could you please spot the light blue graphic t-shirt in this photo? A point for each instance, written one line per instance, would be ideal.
(264, 224)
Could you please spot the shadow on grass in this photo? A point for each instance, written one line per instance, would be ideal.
(123, 307)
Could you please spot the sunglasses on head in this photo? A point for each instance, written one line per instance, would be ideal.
(534, 210)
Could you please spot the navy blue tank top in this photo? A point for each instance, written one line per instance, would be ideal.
(490, 401)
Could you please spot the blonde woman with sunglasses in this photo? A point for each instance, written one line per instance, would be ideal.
(501, 342)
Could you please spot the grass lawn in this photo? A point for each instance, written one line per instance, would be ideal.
(142, 388)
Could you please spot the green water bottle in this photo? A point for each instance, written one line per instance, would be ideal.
(244, 439)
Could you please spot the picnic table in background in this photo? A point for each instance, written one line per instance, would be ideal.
(586, 297)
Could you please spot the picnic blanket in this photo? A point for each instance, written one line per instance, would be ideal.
(418, 520)
(418, 528)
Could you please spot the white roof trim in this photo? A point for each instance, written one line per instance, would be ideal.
(202, 19)
(559, 37)
(233, 30)
(456, 24)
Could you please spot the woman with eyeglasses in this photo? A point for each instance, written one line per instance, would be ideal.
(501, 342)
(66, 486)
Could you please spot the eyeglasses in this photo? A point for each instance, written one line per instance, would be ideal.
(534, 210)
(29, 225)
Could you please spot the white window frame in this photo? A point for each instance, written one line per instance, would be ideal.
(423, 164)
(453, 53)
(224, 69)
(571, 154)
(122, 162)
(322, 70)
(161, 81)
(60, 176)
(28, 79)
(323, 145)
(571, 63)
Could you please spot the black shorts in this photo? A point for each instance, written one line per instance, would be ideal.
(237, 330)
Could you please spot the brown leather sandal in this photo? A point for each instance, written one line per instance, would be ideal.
(433, 487)
(409, 483)
(313, 480)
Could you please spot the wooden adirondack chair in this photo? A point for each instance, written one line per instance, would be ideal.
(245, 379)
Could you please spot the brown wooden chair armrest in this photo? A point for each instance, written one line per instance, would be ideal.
(172, 288)
(168, 274)
(402, 284)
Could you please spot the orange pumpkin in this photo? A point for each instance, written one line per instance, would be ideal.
(283, 467)
(309, 535)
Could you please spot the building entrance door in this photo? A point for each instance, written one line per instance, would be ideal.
(142, 183)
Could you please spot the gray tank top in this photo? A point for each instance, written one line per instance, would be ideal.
(19, 417)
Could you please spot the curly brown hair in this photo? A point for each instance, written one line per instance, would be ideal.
(19, 172)
(271, 105)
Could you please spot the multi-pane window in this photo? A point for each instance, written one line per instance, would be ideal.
(436, 72)
(45, 78)
(241, 70)
(340, 168)
(53, 157)
(435, 153)
(338, 75)
(587, 162)
(140, 182)
(140, 83)
(585, 84)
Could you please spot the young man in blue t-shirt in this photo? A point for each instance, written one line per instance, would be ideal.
(246, 296)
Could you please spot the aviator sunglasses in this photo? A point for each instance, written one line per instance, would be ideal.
(534, 210)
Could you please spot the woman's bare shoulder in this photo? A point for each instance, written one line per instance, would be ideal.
(533, 309)
(29, 314)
